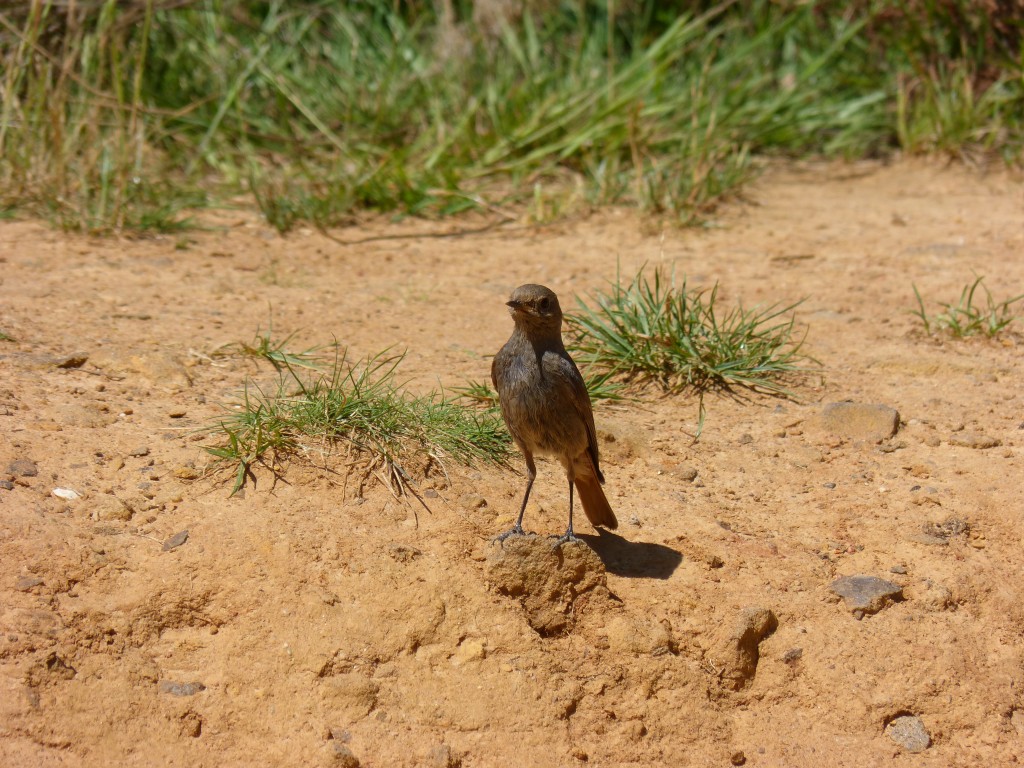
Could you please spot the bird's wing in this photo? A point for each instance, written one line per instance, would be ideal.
(581, 401)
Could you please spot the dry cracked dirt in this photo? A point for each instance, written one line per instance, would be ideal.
(308, 621)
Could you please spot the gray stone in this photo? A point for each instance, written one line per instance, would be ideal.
(181, 689)
(176, 540)
(858, 421)
(23, 468)
(142, 450)
(973, 440)
(866, 594)
(25, 583)
(909, 732)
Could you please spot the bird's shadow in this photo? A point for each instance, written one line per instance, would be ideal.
(635, 559)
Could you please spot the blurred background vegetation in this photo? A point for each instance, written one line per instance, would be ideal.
(126, 116)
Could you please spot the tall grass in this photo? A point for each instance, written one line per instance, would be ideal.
(122, 115)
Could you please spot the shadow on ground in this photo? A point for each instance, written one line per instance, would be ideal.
(637, 559)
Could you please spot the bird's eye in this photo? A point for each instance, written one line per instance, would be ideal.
(544, 305)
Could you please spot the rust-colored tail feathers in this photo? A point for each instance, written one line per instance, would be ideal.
(595, 503)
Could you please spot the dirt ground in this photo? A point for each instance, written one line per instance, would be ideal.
(300, 625)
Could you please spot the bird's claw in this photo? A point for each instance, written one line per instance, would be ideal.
(567, 538)
(515, 530)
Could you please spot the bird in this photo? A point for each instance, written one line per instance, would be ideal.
(546, 406)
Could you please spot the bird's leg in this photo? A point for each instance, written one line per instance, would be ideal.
(568, 537)
(531, 475)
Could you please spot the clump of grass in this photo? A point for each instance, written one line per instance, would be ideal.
(966, 317)
(360, 407)
(653, 330)
(274, 351)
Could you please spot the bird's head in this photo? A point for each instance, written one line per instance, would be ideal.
(535, 307)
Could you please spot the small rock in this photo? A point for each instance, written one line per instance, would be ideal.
(176, 540)
(909, 732)
(177, 413)
(7, 485)
(866, 594)
(793, 655)
(430, 493)
(191, 725)
(25, 583)
(470, 649)
(686, 474)
(473, 501)
(403, 554)
(181, 689)
(738, 758)
(973, 440)
(899, 569)
(858, 421)
(343, 756)
(927, 539)
(112, 508)
(66, 493)
(142, 450)
(74, 360)
(951, 526)
(442, 756)
(23, 468)
(185, 473)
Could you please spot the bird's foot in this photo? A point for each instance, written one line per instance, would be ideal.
(515, 530)
(567, 538)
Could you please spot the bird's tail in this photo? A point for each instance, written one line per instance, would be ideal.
(595, 503)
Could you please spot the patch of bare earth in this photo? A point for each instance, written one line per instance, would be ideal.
(305, 622)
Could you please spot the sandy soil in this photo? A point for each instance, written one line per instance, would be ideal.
(298, 625)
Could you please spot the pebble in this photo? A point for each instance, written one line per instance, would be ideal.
(74, 360)
(909, 732)
(343, 755)
(866, 594)
(177, 413)
(7, 485)
(25, 583)
(793, 655)
(23, 468)
(473, 501)
(859, 421)
(176, 540)
(927, 539)
(142, 450)
(66, 493)
(899, 569)
(973, 440)
(181, 689)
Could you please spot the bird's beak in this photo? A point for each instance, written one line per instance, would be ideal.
(513, 304)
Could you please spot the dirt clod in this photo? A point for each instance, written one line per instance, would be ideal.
(551, 583)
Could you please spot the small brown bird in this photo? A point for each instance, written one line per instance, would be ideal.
(546, 405)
